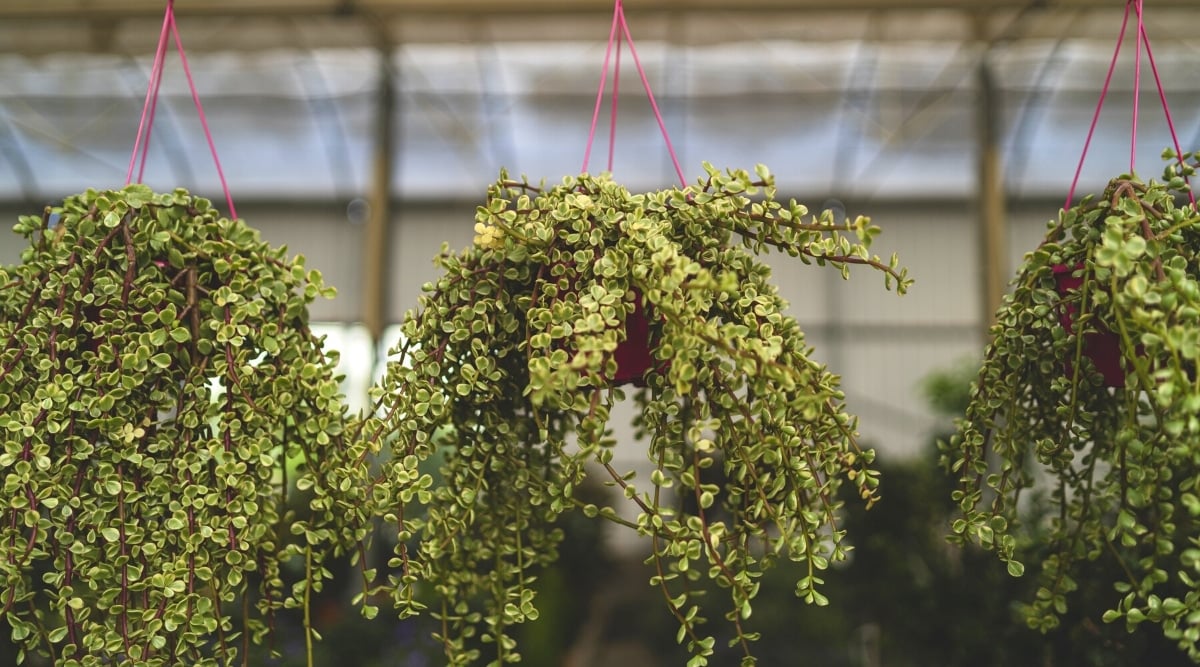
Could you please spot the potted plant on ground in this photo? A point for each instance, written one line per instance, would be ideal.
(506, 371)
(173, 454)
(1116, 453)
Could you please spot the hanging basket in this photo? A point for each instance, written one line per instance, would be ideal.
(511, 358)
(186, 415)
(1116, 448)
(179, 474)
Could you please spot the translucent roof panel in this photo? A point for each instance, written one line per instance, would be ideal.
(892, 119)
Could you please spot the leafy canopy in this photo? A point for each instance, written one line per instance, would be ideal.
(162, 403)
(503, 376)
(1120, 465)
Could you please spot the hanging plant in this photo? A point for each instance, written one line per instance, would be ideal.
(506, 370)
(1115, 450)
(173, 453)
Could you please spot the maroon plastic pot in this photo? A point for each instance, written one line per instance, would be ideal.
(1103, 347)
(633, 355)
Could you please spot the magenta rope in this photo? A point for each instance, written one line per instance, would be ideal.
(614, 37)
(1096, 116)
(212, 146)
(1162, 96)
(157, 79)
(151, 90)
(650, 94)
(612, 125)
(1142, 38)
(150, 106)
(1137, 84)
(587, 152)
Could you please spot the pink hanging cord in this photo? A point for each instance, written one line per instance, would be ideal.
(662, 126)
(1162, 96)
(1137, 84)
(153, 110)
(612, 34)
(612, 125)
(151, 94)
(613, 37)
(1096, 116)
(1142, 38)
(212, 146)
(148, 110)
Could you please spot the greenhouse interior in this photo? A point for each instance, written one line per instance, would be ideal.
(370, 137)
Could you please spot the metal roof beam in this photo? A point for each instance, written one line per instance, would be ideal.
(224, 33)
(97, 9)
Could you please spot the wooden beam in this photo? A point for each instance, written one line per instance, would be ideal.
(990, 194)
(376, 246)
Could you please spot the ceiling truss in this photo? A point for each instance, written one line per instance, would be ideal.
(39, 27)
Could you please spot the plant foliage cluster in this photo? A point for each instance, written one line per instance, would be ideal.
(163, 408)
(1120, 465)
(509, 358)
(179, 465)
